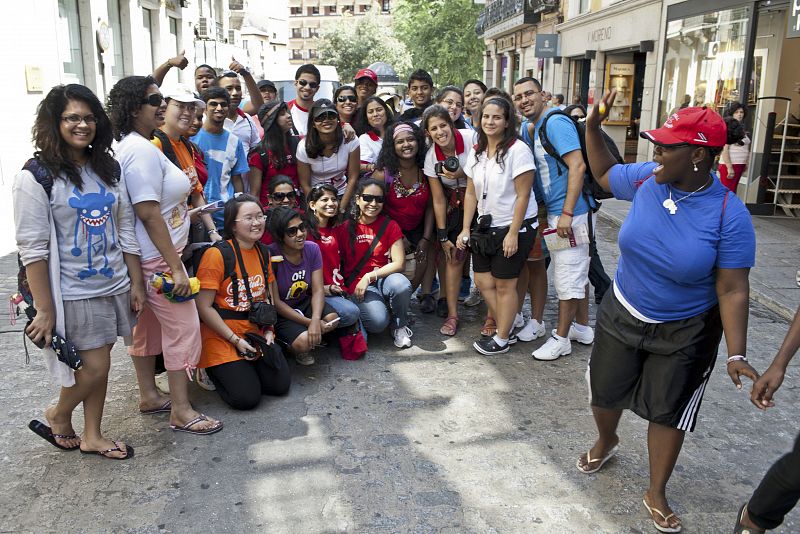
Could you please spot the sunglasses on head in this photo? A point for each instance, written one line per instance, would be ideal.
(154, 99)
(280, 197)
(291, 231)
(327, 116)
(373, 198)
(347, 98)
(312, 85)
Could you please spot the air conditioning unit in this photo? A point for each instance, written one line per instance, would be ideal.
(203, 25)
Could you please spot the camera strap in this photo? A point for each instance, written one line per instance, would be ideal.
(245, 277)
(368, 254)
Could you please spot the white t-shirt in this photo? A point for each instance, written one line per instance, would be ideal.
(497, 182)
(245, 130)
(150, 176)
(469, 138)
(370, 147)
(332, 169)
(299, 118)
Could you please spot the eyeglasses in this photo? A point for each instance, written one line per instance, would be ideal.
(184, 107)
(213, 104)
(451, 102)
(312, 85)
(347, 98)
(526, 94)
(327, 116)
(372, 198)
(250, 219)
(280, 197)
(74, 120)
(154, 99)
(291, 231)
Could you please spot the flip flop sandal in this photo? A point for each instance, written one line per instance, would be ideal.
(666, 518)
(117, 448)
(489, 327)
(165, 408)
(46, 433)
(589, 461)
(740, 528)
(450, 327)
(188, 426)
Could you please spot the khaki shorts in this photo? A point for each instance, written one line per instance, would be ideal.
(99, 321)
(570, 265)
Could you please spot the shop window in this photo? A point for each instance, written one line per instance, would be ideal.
(69, 31)
(704, 59)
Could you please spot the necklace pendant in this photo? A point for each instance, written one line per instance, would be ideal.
(670, 205)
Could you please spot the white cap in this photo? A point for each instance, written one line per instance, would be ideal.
(181, 93)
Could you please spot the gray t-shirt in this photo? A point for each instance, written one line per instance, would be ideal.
(94, 226)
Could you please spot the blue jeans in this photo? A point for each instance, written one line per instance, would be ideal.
(394, 290)
(347, 311)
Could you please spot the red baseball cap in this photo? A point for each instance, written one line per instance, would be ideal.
(699, 126)
(366, 73)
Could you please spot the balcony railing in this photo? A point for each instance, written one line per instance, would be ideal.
(499, 11)
(236, 5)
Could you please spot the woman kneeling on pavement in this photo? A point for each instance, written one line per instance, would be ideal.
(500, 188)
(240, 374)
(303, 314)
(91, 304)
(373, 264)
(686, 249)
(158, 191)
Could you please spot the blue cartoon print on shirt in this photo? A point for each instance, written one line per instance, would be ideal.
(94, 212)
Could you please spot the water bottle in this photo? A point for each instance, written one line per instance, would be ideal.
(461, 254)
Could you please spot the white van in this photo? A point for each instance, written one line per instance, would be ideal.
(283, 78)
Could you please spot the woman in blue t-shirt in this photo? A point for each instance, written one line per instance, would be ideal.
(686, 249)
(303, 314)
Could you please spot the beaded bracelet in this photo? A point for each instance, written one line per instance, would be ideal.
(736, 358)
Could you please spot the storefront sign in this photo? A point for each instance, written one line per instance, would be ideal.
(547, 45)
(601, 34)
(794, 20)
(621, 69)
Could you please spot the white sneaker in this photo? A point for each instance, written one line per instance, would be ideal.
(402, 337)
(474, 297)
(519, 321)
(202, 379)
(162, 383)
(533, 329)
(553, 349)
(304, 358)
(586, 337)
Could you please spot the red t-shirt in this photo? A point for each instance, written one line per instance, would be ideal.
(365, 233)
(200, 166)
(407, 207)
(331, 242)
(290, 170)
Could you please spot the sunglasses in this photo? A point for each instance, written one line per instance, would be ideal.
(347, 98)
(312, 85)
(212, 104)
(372, 198)
(280, 197)
(327, 116)
(291, 231)
(154, 99)
(74, 120)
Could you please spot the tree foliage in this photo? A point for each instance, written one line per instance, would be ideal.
(441, 35)
(353, 43)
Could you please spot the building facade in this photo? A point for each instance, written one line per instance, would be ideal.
(308, 17)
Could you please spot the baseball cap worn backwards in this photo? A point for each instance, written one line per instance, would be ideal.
(698, 126)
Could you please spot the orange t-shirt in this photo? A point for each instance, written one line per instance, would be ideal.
(211, 273)
(185, 159)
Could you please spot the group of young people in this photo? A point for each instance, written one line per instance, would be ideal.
(334, 213)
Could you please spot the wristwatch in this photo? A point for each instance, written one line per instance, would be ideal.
(441, 235)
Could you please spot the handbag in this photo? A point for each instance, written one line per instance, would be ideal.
(353, 345)
(368, 254)
(270, 352)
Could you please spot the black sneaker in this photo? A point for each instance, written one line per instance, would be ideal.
(488, 346)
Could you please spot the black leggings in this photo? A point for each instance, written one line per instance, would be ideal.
(241, 383)
(778, 492)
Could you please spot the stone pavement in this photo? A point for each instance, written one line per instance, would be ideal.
(432, 439)
(772, 280)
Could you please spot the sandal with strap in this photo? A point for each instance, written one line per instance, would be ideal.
(188, 426)
(489, 327)
(450, 326)
(587, 470)
(740, 528)
(116, 448)
(665, 518)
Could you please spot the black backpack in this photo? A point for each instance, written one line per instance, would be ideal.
(229, 268)
(590, 185)
(166, 147)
